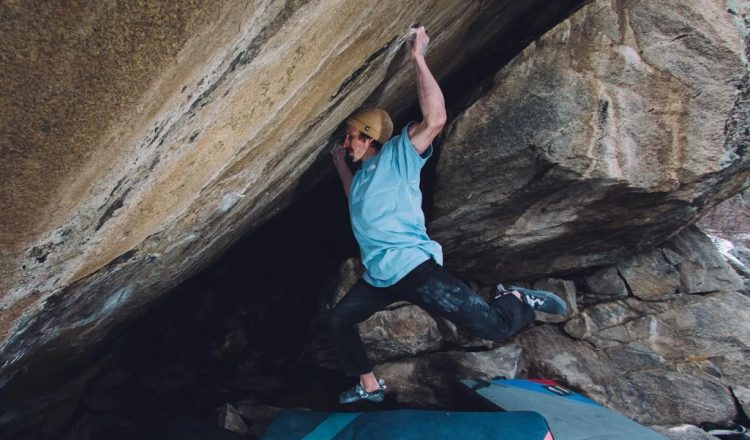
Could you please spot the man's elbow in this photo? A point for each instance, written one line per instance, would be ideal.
(437, 122)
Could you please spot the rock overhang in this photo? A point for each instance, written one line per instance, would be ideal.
(607, 136)
(152, 138)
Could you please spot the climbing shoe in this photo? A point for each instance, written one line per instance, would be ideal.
(542, 301)
(358, 393)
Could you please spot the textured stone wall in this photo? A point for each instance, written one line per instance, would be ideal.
(606, 136)
(140, 140)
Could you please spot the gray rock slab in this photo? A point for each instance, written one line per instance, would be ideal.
(601, 140)
(628, 376)
(699, 263)
(650, 276)
(607, 282)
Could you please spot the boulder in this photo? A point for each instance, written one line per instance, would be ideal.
(593, 320)
(580, 327)
(728, 226)
(688, 263)
(400, 332)
(700, 264)
(607, 282)
(604, 138)
(649, 276)
(154, 137)
(671, 397)
(661, 364)
(628, 379)
(429, 380)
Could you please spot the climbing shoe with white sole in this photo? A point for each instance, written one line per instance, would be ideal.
(358, 393)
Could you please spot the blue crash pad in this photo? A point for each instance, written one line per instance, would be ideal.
(407, 425)
(570, 415)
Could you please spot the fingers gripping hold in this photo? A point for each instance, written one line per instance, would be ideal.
(418, 40)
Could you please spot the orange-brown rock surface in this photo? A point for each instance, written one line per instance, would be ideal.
(139, 140)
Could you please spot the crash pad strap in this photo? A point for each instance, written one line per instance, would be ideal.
(331, 426)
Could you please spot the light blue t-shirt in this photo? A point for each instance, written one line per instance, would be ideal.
(385, 205)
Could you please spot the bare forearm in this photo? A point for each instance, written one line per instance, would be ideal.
(431, 100)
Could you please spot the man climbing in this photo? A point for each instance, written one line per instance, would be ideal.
(401, 262)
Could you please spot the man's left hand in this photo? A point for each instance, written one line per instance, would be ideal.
(419, 41)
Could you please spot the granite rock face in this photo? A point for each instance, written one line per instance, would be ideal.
(664, 353)
(689, 263)
(641, 388)
(399, 332)
(597, 148)
(661, 363)
(607, 282)
(731, 220)
(603, 138)
(140, 141)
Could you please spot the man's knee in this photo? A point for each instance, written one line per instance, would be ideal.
(333, 322)
(338, 320)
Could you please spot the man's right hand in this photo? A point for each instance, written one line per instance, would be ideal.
(337, 153)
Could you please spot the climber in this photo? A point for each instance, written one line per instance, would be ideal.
(401, 262)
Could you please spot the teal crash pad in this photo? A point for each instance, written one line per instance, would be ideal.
(407, 425)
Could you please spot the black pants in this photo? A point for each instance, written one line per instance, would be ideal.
(438, 292)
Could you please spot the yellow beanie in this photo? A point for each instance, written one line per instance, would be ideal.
(373, 122)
